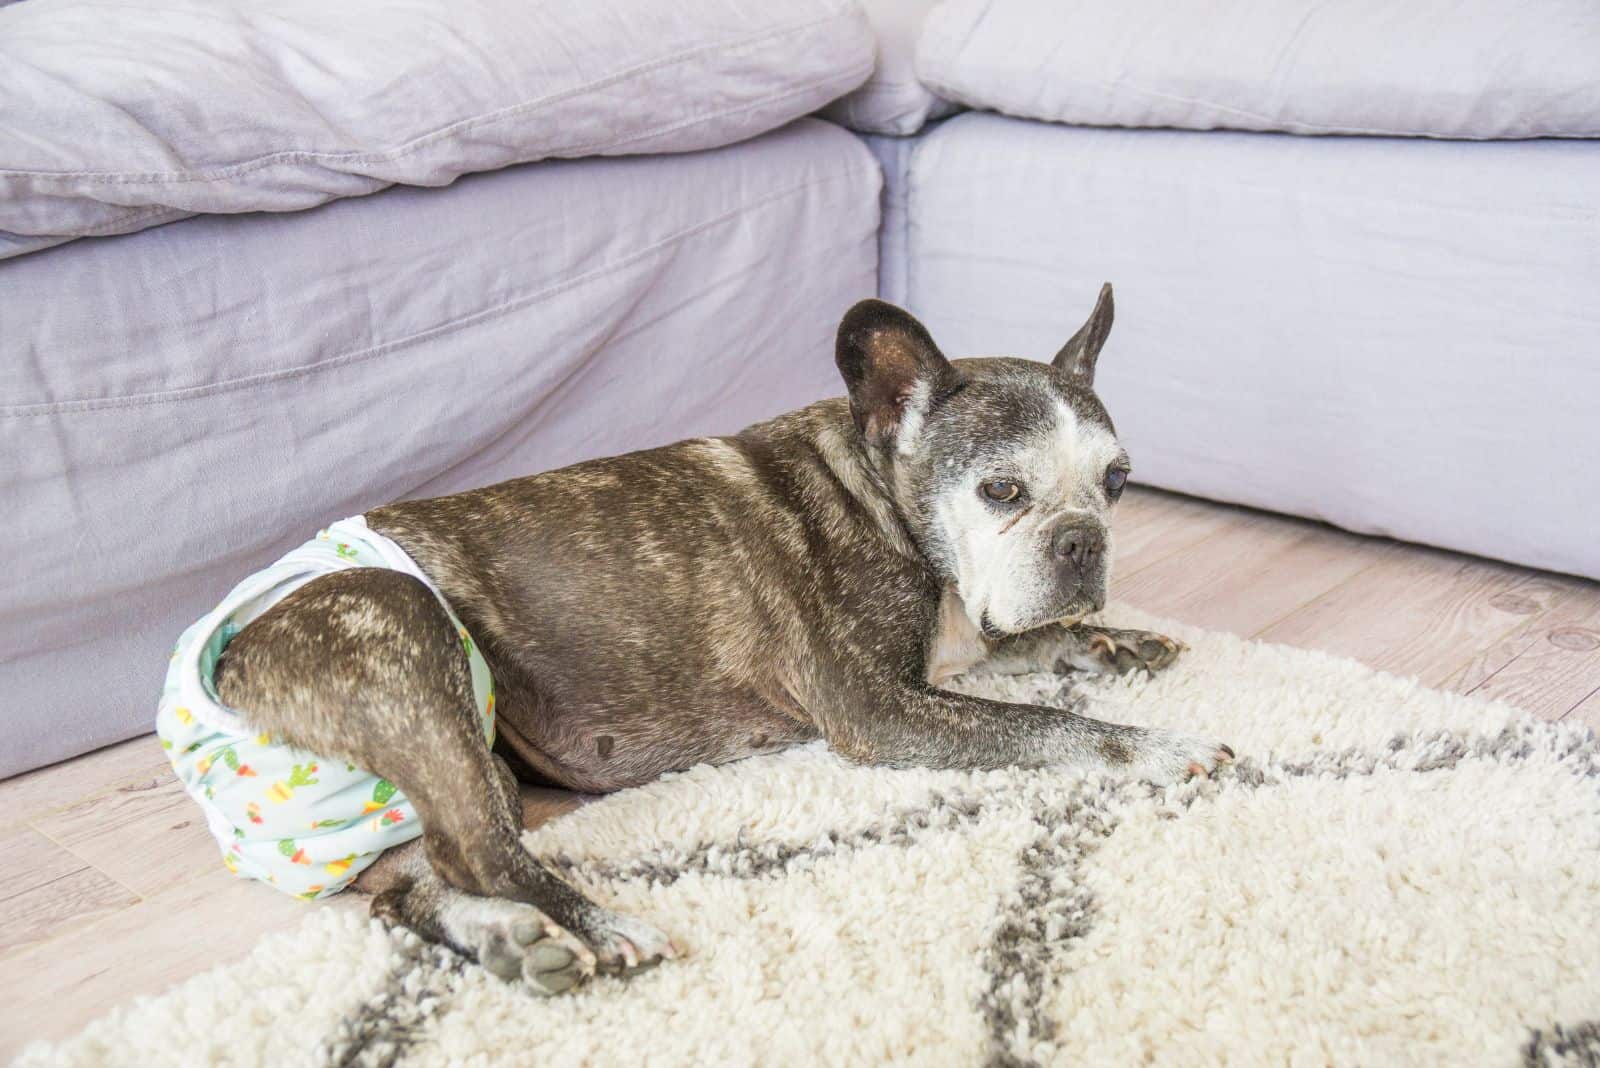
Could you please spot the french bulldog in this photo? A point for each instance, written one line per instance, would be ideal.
(819, 575)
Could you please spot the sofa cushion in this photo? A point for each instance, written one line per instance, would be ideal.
(116, 117)
(1475, 69)
(893, 101)
(1395, 336)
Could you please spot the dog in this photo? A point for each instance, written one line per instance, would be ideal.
(814, 576)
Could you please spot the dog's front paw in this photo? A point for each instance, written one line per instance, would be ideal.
(1122, 651)
(1164, 757)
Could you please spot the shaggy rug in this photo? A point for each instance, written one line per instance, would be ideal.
(1388, 875)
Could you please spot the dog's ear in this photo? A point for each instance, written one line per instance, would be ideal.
(892, 369)
(1078, 355)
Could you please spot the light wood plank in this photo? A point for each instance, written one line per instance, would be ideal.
(1572, 594)
(1254, 571)
(33, 793)
(1151, 525)
(29, 860)
(541, 804)
(43, 912)
(1551, 678)
(1419, 612)
(1556, 663)
(146, 833)
(1587, 713)
(52, 990)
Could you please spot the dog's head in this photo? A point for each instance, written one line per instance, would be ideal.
(1004, 470)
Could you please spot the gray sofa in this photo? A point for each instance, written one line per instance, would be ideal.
(181, 404)
(1394, 333)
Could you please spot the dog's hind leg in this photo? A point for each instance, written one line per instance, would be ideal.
(508, 938)
(365, 665)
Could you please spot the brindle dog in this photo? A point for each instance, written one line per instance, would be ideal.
(815, 576)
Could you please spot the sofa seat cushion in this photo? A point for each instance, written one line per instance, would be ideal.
(180, 406)
(116, 117)
(1471, 69)
(1395, 336)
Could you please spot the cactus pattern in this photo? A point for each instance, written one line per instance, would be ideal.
(382, 791)
(283, 789)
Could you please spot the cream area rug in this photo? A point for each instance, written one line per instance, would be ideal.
(1388, 875)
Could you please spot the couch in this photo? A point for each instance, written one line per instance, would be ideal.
(409, 250)
(425, 246)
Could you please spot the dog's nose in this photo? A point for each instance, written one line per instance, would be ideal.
(1080, 542)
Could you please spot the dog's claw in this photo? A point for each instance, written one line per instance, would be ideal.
(1123, 651)
(626, 945)
(1167, 757)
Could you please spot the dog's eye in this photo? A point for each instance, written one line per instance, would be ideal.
(1116, 478)
(1001, 490)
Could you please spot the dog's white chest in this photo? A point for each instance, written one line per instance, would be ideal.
(957, 643)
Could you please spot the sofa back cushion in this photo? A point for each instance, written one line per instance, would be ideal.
(1475, 69)
(115, 117)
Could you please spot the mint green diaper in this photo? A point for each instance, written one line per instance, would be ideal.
(306, 824)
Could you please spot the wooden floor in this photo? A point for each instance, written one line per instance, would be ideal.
(110, 886)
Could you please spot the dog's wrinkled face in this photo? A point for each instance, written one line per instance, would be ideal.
(1006, 470)
(1015, 477)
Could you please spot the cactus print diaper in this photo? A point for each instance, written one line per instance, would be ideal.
(304, 823)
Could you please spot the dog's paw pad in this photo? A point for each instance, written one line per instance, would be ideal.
(519, 943)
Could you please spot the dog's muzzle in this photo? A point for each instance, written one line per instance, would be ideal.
(1077, 545)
